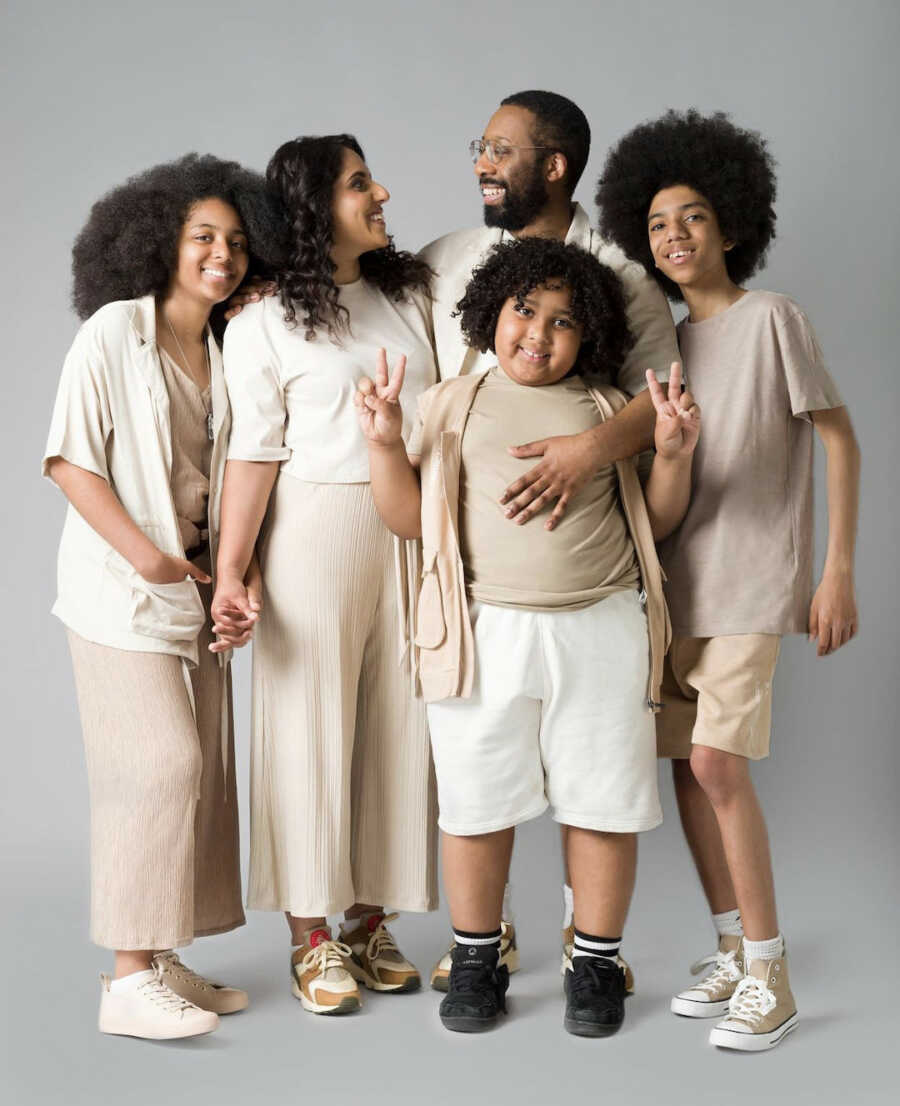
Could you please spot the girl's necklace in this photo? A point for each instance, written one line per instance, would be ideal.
(187, 365)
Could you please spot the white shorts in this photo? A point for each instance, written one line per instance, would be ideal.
(558, 716)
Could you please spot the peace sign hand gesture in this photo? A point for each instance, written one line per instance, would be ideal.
(677, 416)
(378, 402)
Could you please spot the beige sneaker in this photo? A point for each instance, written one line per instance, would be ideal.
(205, 993)
(509, 956)
(710, 997)
(568, 936)
(375, 959)
(143, 1006)
(319, 976)
(762, 1010)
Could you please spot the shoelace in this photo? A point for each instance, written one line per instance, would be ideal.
(325, 955)
(477, 980)
(175, 965)
(725, 970)
(751, 1000)
(595, 976)
(164, 996)
(382, 940)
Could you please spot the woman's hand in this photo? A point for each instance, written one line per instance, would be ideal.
(251, 292)
(378, 402)
(235, 609)
(833, 619)
(677, 416)
(166, 569)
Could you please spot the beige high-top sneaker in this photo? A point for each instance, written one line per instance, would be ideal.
(762, 1010)
(710, 997)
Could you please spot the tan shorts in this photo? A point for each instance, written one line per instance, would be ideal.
(717, 691)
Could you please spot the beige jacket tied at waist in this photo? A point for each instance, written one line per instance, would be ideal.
(443, 628)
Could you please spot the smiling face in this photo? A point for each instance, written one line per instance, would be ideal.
(685, 239)
(537, 339)
(356, 210)
(514, 190)
(212, 252)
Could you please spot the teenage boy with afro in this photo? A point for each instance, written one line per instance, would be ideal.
(690, 197)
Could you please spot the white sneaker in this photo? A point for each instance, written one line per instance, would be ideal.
(143, 1006)
(202, 992)
(710, 997)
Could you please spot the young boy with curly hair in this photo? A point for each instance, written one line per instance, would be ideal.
(540, 650)
(690, 197)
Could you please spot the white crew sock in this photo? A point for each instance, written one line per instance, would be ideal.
(770, 949)
(130, 982)
(728, 924)
(568, 906)
(507, 912)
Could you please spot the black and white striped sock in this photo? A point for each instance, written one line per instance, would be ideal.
(587, 944)
(476, 948)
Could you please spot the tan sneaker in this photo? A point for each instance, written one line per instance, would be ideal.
(319, 976)
(762, 1010)
(375, 959)
(568, 937)
(143, 1006)
(509, 956)
(205, 993)
(710, 997)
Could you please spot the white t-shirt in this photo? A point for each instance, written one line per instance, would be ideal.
(292, 399)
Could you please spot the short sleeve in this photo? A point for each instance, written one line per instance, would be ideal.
(82, 423)
(809, 383)
(255, 391)
(650, 319)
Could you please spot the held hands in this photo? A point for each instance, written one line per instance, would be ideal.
(833, 620)
(235, 609)
(677, 416)
(378, 403)
(251, 292)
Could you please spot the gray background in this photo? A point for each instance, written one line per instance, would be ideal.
(96, 90)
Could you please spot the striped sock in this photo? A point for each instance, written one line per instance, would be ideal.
(604, 948)
(476, 948)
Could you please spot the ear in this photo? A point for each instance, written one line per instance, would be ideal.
(557, 166)
(728, 245)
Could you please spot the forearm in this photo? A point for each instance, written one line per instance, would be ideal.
(102, 510)
(630, 432)
(245, 494)
(396, 489)
(668, 493)
(843, 468)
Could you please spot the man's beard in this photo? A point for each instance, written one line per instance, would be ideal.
(522, 203)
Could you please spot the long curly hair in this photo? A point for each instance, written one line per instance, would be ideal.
(732, 168)
(302, 173)
(129, 245)
(513, 269)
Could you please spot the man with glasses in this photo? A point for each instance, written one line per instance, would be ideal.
(528, 162)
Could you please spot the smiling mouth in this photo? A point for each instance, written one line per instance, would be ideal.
(534, 358)
(678, 257)
(377, 217)
(218, 274)
(492, 193)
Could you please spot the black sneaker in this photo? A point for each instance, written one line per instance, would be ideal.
(476, 993)
(595, 997)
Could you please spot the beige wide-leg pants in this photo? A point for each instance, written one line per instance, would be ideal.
(342, 790)
(165, 861)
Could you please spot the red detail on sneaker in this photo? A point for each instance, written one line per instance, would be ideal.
(318, 936)
(373, 922)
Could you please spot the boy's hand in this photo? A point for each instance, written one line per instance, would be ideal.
(833, 619)
(378, 403)
(235, 610)
(251, 292)
(677, 416)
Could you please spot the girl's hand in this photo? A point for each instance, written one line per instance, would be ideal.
(677, 416)
(251, 292)
(833, 620)
(167, 569)
(235, 609)
(378, 403)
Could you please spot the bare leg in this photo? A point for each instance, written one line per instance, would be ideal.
(475, 873)
(725, 778)
(564, 842)
(602, 867)
(701, 831)
(299, 926)
(129, 961)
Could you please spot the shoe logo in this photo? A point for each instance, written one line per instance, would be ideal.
(473, 952)
(318, 936)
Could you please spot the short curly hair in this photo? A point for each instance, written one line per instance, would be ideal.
(129, 245)
(731, 167)
(513, 269)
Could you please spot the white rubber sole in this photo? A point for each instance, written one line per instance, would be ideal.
(347, 1005)
(752, 1042)
(696, 1008)
(148, 1035)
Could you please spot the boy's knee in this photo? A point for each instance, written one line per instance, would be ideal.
(720, 774)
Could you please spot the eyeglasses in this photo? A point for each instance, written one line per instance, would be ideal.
(496, 151)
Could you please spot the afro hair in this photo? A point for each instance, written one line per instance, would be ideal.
(513, 269)
(728, 166)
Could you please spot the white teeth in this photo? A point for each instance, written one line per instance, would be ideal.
(532, 356)
(216, 272)
(679, 253)
(492, 192)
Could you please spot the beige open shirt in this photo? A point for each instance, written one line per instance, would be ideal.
(112, 418)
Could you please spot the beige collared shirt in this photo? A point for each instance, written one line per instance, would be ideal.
(112, 417)
(454, 256)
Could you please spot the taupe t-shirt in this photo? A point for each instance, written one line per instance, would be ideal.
(741, 561)
(588, 556)
(189, 409)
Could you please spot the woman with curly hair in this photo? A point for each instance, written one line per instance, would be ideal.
(540, 650)
(690, 197)
(341, 801)
(137, 444)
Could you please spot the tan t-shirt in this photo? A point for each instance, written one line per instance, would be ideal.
(588, 556)
(189, 410)
(741, 561)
